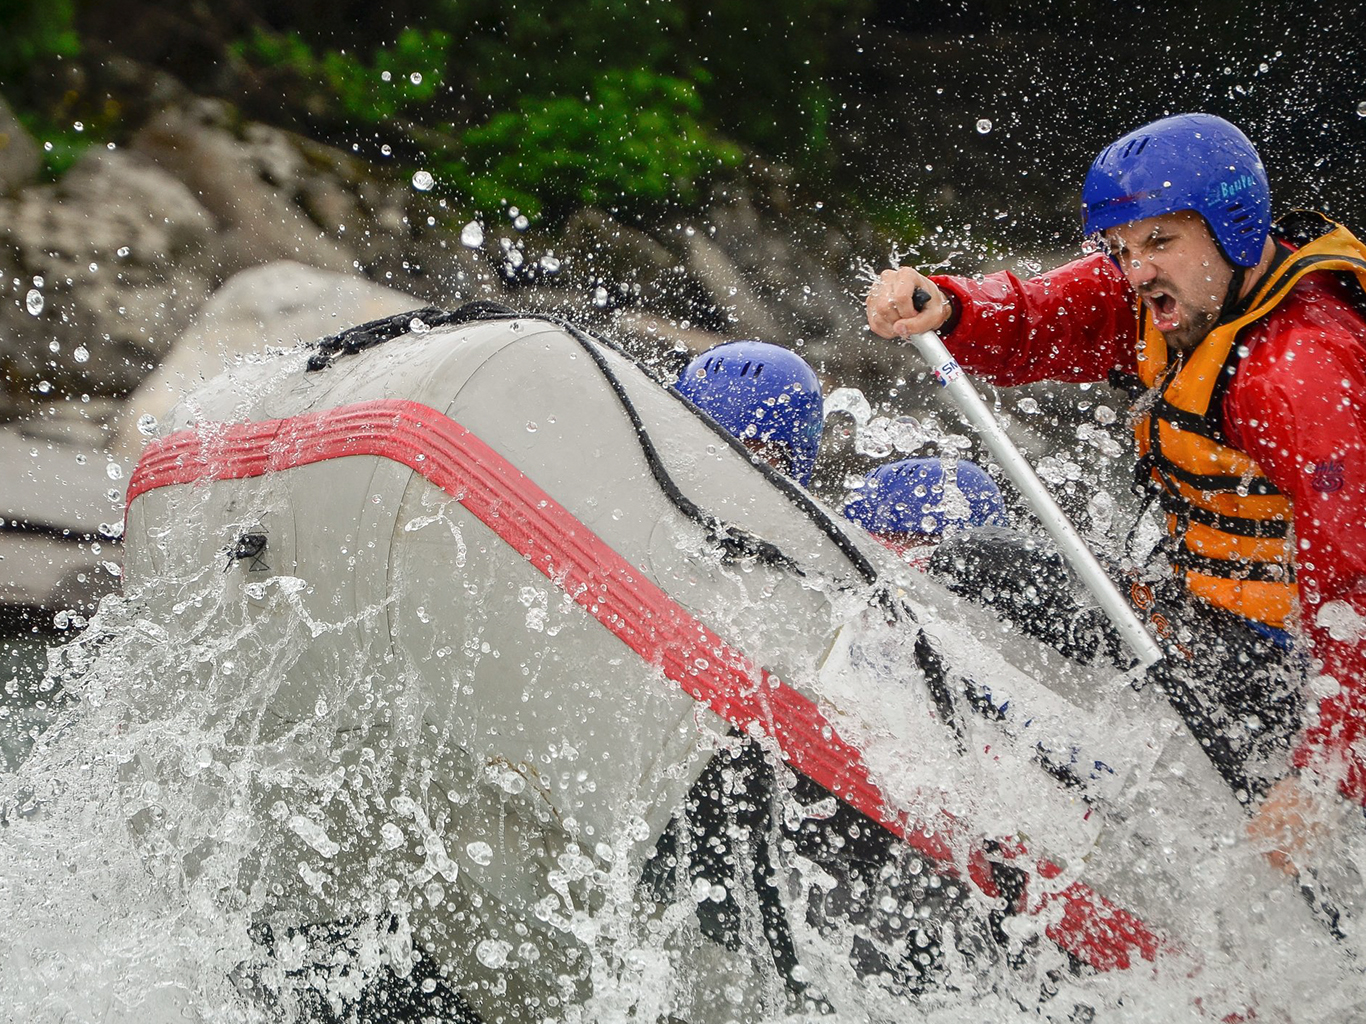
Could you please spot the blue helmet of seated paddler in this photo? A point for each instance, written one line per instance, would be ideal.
(765, 395)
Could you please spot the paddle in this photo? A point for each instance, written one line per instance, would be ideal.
(959, 387)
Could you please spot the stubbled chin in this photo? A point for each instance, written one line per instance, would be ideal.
(1181, 338)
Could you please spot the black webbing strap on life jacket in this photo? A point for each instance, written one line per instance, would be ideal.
(1168, 493)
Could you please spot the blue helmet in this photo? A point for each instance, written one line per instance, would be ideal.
(912, 496)
(760, 392)
(1187, 162)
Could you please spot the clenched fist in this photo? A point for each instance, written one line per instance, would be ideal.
(891, 304)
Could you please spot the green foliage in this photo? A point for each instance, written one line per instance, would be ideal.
(548, 104)
(896, 213)
(398, 77)
(60, 146)
(32, 31)
(635, 138)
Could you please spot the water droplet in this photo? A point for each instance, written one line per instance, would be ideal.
(550, 264)
(385, 76)
(1361, 109)
(113, 471)
(479, 852)
(423, 181)
(983, 126)
(123, 252)
(147, 424)
(34, 301)
(81, 355)
(94, 267)
(44, 386)
(851, 401)
(493, 953)
(386, 150)
(415, 78)
(520, 222)
(79, 126)
(600, 297)
(472, 235)
(418, 326)
(54, 346)
(531, 426)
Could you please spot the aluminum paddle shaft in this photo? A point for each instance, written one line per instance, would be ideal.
(1069, 542)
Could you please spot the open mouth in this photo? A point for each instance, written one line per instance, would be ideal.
(1163, 308)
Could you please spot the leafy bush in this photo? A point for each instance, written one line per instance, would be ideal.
(32, 31)
(405, 75)
(636, 137)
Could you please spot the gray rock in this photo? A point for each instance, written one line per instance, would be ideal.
(20, 160)
(747, 313)
(117, 252)
(625, 260)
(251, 186)
(278, 304)
(60, 522)
(795, 264)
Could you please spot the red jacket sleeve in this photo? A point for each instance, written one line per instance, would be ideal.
(1071, 324)
(1296, 407)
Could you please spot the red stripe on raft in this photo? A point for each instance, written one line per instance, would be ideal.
(618, 595)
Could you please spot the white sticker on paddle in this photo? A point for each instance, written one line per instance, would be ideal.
(948, 373)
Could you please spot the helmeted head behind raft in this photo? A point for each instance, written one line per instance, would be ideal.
(1184, 208)
(919, 500)
(766, 396)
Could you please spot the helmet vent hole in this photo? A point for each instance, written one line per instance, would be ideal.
(1142, 144)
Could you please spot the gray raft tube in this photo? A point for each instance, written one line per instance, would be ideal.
(309, 497)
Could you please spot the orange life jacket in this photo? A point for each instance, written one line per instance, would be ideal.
(1232, 527)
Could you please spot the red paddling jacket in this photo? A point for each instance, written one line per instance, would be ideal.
(1255, 441)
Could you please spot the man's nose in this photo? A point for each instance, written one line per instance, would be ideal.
(1139, 269)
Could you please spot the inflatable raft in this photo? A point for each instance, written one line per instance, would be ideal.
(482, 612)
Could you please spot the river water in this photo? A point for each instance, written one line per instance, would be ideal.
(240, 804)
